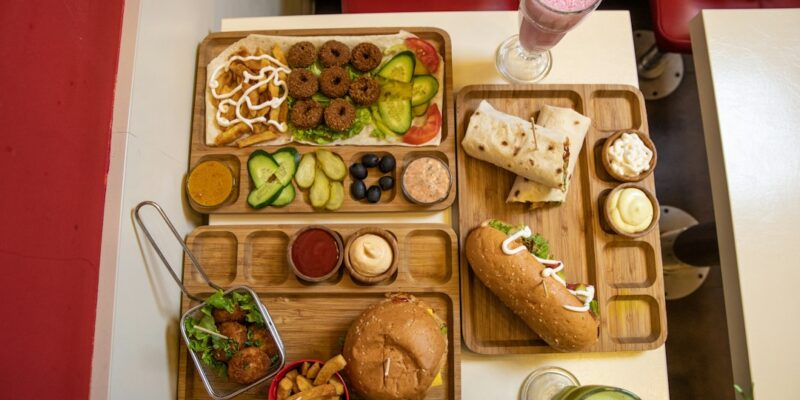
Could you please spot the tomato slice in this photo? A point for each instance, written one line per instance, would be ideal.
(425, 52)
(429, 130)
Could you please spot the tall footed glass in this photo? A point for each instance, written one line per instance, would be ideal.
(526, 58)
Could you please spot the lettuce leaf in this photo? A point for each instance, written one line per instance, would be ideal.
(536, 244)
(324, 135)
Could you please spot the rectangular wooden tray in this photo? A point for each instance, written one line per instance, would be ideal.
(313, 318)
(236, 158)
(626, 272)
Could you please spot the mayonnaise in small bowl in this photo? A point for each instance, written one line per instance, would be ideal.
(628, 156)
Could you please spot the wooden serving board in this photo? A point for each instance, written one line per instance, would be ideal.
(313, 319)
(625, 272)
(236, 158)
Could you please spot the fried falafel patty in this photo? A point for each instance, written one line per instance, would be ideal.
(221, 315)
(248, 365)
(264, 341)
(364, 90)
(334, 53)
(302, 84)
(301, 54)
(339, 115)
(305, 114)
(237, 334)
(365, 57)
(334, 82)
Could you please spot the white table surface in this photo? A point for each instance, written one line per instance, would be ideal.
(748, 72)
(598, 51)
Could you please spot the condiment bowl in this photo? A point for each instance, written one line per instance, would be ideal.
(273, 387)
(653, 202)
(607, 162)
(412, 198)
(369, 279)
(232, 196)
(339, 247)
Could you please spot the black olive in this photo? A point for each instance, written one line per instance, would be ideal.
(358, 171)
(387, 163)
(386, 182)
(358, 190)
(370, 160)
(374, 194)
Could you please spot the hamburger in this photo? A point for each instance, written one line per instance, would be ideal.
(395, 349)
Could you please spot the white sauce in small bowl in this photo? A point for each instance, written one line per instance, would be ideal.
(629, 156)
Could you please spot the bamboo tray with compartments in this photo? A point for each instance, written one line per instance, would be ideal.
(236, 158)
(313, 319)
(627, 273)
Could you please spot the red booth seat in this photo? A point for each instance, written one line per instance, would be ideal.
(671, 18)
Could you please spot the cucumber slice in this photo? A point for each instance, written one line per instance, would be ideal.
(393, 90)
(423, 88)
(266, 194)
(305, 172)
(285, 197)
(379, 125)
(332, 165)
(400, 67)
(261, 167)
(287, 159)
(419, 68)
(320, 191)
(420, 110)
(396, 114)
(336, 196)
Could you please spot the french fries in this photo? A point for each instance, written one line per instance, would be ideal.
(304, 383)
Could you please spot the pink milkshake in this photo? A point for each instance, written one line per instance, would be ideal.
(544, 22)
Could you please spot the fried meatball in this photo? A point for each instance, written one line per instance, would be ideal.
(364, 90)
(301, 54)
(237, 334)
(302, 84)
(305, 114)
(221, 315)
(365, 57)
(248, 365)
(264, 340)
(334, 82)
(334, 53)
(339, 115)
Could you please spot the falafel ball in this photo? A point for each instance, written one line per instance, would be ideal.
(221, 315)
(334, 53)
(365, 57)
(301, 54)
(264, 340)
(248, 365)
(364, 90)
(339, 115)
(237, 336)
(305, 114)
(334, 82)
(302, 84)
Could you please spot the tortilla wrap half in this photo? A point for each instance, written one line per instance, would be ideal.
(570, 123)
(253, 42)
(512, 143)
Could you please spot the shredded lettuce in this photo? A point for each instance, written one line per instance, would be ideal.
(324, 135)
(536, 244)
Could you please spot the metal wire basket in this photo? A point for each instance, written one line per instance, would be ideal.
(218, 387)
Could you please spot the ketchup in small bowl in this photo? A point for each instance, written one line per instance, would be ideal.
(315, 253)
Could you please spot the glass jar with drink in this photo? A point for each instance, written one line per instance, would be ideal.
(552, 383)
(526, 58)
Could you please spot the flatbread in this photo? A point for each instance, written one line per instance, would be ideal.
(253, 42)
(510, 142)
(570, 123)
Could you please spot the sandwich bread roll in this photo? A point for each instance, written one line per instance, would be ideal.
(517, 281)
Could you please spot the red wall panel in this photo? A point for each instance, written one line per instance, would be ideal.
(58, 68)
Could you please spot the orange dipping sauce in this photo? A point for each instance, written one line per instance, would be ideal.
(210, 183)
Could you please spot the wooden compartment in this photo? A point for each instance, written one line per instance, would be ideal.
(625, 272)
(313, 318)
(391, 201)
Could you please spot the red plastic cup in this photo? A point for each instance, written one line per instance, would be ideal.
(273, 387)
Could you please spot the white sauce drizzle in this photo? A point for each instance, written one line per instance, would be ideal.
(551, 270)
(265, 75)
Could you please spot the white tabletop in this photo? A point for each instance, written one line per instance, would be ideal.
(748, 72)
(598, 51)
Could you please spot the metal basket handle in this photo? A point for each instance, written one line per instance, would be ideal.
(180, 240)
